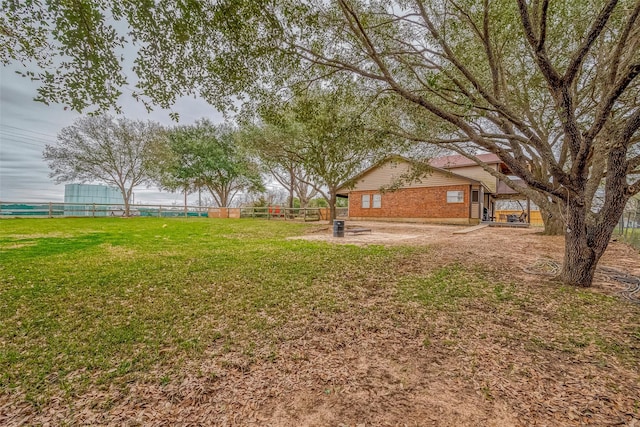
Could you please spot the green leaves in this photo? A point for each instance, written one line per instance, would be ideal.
(207, 156)
(103, 149)
(328, 135)
(74, 45)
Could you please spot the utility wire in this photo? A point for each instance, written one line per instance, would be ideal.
(33, 144)
(26, 137)
(27, 130)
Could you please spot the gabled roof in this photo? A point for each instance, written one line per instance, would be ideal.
(458, 161)
(343, 188)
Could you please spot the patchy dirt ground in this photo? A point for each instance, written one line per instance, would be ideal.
(383, 364)
(511, 250)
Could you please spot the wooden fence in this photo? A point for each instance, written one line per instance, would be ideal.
(95, 210)
(277, 212)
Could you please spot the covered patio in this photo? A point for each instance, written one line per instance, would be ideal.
(498, 218)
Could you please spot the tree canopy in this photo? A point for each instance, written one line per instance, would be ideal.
(274, 146)
(326, 135)
(103, 149)
(208, 156)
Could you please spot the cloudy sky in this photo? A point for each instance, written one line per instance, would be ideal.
(27, 126)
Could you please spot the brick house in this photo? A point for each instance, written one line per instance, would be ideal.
(453, 191)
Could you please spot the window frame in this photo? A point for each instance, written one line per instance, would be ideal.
(378, 198)
(366, 197)
(459, 196)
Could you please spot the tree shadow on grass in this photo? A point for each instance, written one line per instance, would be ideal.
(29, 248)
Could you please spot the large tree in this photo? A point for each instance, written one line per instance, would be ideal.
(274, 146)
(329, 139)
(408, 121)
(497, 72)
(103, 149)
(550, 87)
(206, 155)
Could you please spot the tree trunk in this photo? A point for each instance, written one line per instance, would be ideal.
(586, 240)
(304, 201)
(551, 212)
(125, 197)
(580, 260)
(222, 196)
(621, 225)
(215, 196)
(291, 199)
(126, 207)
(332, 205)
(553, 223)
(185, 201)
(291, 189)
(584, 245)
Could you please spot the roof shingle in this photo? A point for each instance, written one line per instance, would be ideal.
(457, 161)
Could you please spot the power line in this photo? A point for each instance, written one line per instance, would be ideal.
(28, 141)
(24, 142)
(27, 137)
(27, 130)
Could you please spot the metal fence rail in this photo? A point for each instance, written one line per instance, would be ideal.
(94, 210)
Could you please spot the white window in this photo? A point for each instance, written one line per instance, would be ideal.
(455, 196)
(365, 201)
(377, 201)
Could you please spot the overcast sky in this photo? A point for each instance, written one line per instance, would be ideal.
(27, 126)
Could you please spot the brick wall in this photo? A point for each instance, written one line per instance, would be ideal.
(214, 213)
(426, 202)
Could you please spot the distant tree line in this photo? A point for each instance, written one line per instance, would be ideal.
(310, 146)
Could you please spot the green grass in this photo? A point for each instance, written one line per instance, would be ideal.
(445, 288)
(558, 319)
(103, 302)
(97, 300)
(630, 236)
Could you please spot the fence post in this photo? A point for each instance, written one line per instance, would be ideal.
(93, 211)
(159, 211)
(50, 210)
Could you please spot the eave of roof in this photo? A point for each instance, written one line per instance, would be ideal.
(341, 189)
(459, 161)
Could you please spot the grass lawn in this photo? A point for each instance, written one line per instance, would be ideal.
(91, 309)
(631, 236)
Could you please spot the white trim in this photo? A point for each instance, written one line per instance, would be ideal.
(377, 198)
(458, 194)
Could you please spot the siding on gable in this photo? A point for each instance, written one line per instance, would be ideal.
(388, 172)
(479, 174)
